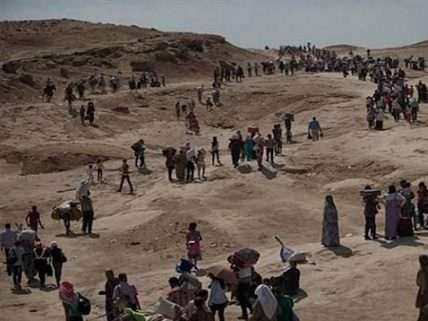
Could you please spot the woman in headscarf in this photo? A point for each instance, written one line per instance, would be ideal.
(235, 146)
(58, 259)
(330, 225)
(41, 262)
(180, 165)
(70, 301)
(408, 212)
(286, 304)
(422, 203)
(422, 283)
(394, 201)
(266, 306)
(249, 148)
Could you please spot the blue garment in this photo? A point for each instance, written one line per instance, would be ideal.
(314, 125)
(249, 148)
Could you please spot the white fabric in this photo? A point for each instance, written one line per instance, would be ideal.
(167, 309)
(267, 300)
(244, 273)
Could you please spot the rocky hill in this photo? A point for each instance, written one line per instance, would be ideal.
(32, 51)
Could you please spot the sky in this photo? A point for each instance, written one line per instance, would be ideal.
(250, 23)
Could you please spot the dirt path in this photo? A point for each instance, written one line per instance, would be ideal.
(143, 234)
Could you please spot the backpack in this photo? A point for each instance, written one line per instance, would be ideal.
(84, 305)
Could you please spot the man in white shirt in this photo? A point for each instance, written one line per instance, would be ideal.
(7, 241)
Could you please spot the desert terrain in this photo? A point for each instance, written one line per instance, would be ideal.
(45, 151)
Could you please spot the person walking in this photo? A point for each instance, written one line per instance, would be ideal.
(266, 305)
(193, 243)
(90, 113)
(88, 214)
(394, 201)
(197, 309)
(190, 165)
(259, 149)
(33, 219)
(379, 119)
(41, 263)
(16, 263)
(422, 283)
(58, 259)
(217, 300)
(180, 161)
(82, 114)
(70, 301)
(200, 163)
(422, 203)
(27, 237)
(215, 151)
(169, 154)
(8, 237)
(100, 171)
(249, 148)
(178, 294)
(111, 283)
(371, 207)
(125, 294)
(314, 130)
(330, 226)
(243, 292)
(270, 145)
(125, 177)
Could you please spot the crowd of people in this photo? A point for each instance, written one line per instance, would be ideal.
(26, 254)
(260, 299)
(405, 210)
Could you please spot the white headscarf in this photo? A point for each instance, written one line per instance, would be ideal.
(267, 300)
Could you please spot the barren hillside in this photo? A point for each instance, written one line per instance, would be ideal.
(66, 50)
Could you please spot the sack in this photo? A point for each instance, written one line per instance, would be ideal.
(49, 270)
(84, 305)
(309, 136)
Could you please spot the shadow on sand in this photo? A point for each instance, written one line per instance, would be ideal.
(75, 235)
(269, 173)
(21, 291)
(405, 241)
(341, 250)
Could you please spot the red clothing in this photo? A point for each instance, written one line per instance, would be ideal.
(193, 239)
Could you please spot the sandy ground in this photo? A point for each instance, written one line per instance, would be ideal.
(44, 153)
